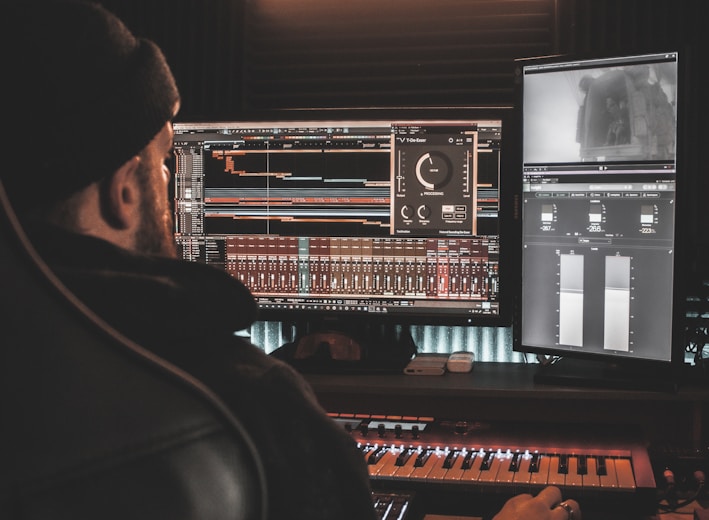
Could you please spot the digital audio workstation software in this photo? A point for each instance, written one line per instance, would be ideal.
(354, 217)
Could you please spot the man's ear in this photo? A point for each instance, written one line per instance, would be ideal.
(121, 195)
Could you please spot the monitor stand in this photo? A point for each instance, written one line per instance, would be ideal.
(605, 374)
(348, 346)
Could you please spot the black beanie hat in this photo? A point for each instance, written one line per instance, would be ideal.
(85, 96)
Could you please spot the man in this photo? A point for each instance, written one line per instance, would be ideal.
(93, 199)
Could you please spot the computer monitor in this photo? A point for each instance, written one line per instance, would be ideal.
(599, 205)
(354, 216)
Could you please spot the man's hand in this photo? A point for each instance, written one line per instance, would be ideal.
(547, 505)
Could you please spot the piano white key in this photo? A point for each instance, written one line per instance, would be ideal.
(438, 471)
(506, 475)
(624, 474)
(609, 479)
(555, 478)
(573, 478)
(523, 475)
(591, 478)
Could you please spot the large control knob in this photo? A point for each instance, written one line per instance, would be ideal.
(433, 170)
(461, 427)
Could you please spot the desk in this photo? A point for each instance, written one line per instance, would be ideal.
(507, 391)
(685, 513)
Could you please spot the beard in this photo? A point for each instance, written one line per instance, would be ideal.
(154, 236)
(155, 232)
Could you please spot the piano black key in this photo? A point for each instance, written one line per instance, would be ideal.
(583, 464)
(365, 449)
(542, 474)
(487, 460)
(448, 469)
(426, 463)
(495, 463)
(473, 473)
(468, 459)
(601, 468)
(450, 459)
(404, 456)
(422, 458)
(376, 455)
(563, 468)
(404, 471)
(514, 462)
(438, 469)
(534, 463)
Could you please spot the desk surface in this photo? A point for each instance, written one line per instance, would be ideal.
(499, 380)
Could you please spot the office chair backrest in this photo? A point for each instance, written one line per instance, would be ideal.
(94, 427)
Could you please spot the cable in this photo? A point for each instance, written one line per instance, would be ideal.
(671, 493)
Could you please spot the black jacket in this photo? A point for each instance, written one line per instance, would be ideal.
(187, 313)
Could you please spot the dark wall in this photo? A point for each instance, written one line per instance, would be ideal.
(399, 52)
(203, 41)
(232, 56)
